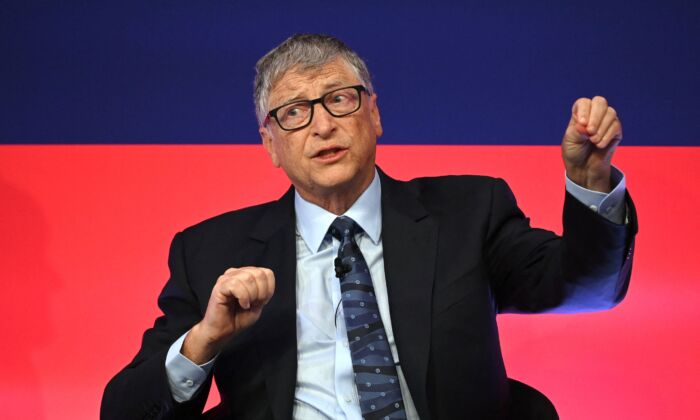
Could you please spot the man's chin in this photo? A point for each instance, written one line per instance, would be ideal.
(339, 180)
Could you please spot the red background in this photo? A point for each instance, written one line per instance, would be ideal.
(84, 235)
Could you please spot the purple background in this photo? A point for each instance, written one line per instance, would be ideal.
(500, 72)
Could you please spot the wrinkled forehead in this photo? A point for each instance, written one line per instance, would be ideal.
(308, 82)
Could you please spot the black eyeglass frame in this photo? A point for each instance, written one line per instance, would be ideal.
(313, 102)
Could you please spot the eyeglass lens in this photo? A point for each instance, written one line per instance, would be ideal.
(338, 103)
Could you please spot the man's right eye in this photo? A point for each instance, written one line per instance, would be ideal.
(293, 112)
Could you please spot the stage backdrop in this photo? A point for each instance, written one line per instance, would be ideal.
(125, 122)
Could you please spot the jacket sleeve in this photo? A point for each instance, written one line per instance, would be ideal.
(533, 270)
(141, 390)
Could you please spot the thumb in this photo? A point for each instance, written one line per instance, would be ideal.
(576, 131)
(580, 114)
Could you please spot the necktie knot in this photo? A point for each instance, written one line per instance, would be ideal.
(344, 227)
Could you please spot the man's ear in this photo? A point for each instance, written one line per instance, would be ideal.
(375, 117)
(266, 137)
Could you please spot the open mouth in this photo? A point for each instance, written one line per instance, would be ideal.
(329, 154)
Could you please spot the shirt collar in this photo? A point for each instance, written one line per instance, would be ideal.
(313, 221)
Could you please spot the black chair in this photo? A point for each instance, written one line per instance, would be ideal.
(527, 403)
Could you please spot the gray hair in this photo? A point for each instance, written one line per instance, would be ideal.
(305, 51)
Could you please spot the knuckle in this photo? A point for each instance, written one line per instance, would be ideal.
(254, 272)
(248, 277)
(240, 278)
(223, 278)
(259, 276)
(580, 104)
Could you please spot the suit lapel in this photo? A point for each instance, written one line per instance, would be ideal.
(272, 245)
(409, 238)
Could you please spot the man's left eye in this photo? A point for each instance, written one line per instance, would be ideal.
(339, 98)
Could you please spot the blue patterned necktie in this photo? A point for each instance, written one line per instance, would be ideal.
(375, 373)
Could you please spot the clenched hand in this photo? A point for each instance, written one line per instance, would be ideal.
(591, 137)
(236, 302)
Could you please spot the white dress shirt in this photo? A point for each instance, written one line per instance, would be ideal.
(325, 386)
(325, 381)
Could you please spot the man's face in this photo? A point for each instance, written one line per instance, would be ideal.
(331, 156)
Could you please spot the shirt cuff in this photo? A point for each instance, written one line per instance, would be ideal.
(184, 376)
(611, 205)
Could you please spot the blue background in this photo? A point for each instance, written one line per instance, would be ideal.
(446, 72)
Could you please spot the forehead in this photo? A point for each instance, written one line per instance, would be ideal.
(310, 83)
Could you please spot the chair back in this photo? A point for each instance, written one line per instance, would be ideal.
(527, 403)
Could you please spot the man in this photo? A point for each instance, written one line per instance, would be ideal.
(387, 311)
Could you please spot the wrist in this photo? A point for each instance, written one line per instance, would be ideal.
(594, 181)
(200, 347)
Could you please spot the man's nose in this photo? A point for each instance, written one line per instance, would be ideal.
(323, 123)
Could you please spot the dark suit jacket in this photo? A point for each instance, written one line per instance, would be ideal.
(457, 251)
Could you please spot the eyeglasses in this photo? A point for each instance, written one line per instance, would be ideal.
(298, 114)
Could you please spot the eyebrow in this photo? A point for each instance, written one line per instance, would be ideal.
(328, 87)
